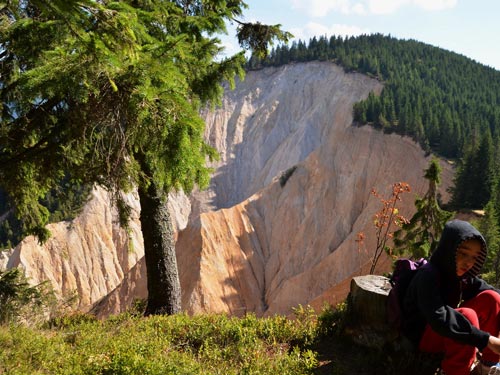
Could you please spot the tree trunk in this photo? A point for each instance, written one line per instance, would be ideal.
(164, 291)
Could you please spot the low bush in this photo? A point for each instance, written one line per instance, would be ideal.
(178, 344)
(22, 302)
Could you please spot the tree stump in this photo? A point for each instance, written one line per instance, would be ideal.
(367, 322)
(367, 325)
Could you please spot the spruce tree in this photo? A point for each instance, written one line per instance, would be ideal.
(474, 178)
(484, 169)
(490, 228)
(419, 237)
(109, 92)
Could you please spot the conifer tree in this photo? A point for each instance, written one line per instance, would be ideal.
(419, 237)
(490, 228)
(109, 92)
(475, 176)
(484, 170)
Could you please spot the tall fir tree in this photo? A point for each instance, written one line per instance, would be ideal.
(474, 177)
(109, 92)
(419, 237)
(484, 170)
(490, 228)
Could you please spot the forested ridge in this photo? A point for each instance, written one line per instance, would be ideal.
(448, 103)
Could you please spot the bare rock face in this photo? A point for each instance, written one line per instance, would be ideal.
(88, 256)
(303, 175)
(277, 226)
(287, 245)
(92, 256)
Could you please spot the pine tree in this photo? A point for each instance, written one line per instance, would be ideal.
(109, 93)
(419, 237)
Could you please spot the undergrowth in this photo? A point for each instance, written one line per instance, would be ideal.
(178, 344)
(129, 343)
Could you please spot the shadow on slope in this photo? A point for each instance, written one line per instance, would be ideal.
(338, 356)
(339, 352)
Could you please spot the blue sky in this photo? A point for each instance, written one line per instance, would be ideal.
(468, 27)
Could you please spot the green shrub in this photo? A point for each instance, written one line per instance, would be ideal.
(20, 301)
(69, 320)
(178, 344)
(332, 319)
(286, 175)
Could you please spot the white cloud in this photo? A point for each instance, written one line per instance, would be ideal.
(359, 9)
(386, 6)
(435, 4)
(320, 8)
(391, 6)
(315, 29)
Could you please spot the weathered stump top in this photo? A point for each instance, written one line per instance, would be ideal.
(367, 309)
(371, 283)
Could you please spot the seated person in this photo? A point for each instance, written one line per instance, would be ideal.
(448, 309)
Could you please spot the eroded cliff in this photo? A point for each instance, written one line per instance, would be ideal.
(277, 226)
(303, 175)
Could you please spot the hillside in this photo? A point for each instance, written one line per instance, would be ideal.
(430, 94)
(203, 344)
(445, 101)
(277, 225)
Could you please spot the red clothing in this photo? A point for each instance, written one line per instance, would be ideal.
(483, 312)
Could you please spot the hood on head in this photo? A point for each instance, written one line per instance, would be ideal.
(454, 233)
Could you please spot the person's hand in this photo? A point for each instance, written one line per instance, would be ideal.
(494, 344)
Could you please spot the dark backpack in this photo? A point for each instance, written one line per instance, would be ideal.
(404, 270)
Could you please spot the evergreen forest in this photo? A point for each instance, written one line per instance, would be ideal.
(446, 102)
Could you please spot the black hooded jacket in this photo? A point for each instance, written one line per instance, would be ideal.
(436, 291)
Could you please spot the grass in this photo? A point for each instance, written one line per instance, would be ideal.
(182, 344)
